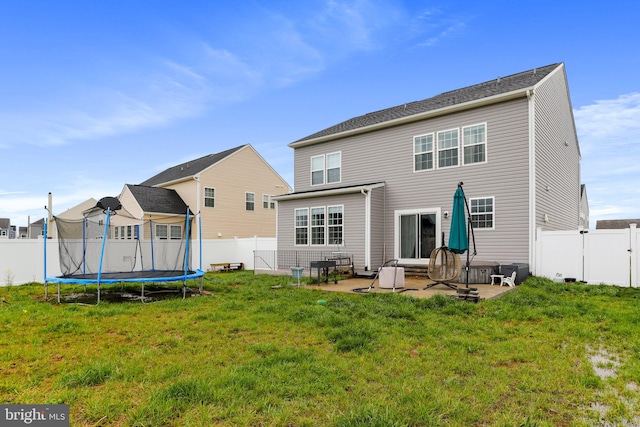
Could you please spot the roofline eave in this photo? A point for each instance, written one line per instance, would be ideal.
(416, 117)
(328, 192)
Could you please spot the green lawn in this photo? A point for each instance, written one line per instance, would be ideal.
(546, 354)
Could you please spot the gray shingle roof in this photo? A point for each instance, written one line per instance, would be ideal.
(189, 168)
(615, 224)
(498, 86)
(158, 200)
(5, 223)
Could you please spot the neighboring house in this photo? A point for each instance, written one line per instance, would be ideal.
(616, 224)
(75, 213)
(5, 228)
(584, 208)
(163, 207)
(35, 229)
(381, 185)
(232, 190)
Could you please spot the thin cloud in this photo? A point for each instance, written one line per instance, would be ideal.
(608, 131)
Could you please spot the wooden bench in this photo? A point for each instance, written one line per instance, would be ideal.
(227, 266)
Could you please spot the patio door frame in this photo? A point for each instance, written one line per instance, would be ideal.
(397, 234)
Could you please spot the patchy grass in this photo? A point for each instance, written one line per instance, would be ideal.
(247, 354)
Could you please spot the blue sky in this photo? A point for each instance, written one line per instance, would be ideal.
(98, 94)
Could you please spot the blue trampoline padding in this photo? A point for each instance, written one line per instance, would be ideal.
(132, 276)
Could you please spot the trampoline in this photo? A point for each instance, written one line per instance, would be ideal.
(109, 246)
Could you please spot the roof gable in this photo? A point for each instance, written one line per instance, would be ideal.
(502, 85)
(158, 200)
(190, 168)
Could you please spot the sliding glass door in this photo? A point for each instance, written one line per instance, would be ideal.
(416, 235)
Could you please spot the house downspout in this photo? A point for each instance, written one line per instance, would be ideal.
(532, 182)
(367, 228)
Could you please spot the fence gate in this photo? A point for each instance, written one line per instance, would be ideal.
(593, 256)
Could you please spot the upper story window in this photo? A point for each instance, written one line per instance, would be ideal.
(250, 201)
(209, 197)
(423, 152)
(448, 148)
(329, 166)
(267, 202)
(317, 170)
(302, 226)
(474, 143)
(482, 212)
(334, 163)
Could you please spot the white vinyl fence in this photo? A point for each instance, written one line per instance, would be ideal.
(592, 256)
(22, 260)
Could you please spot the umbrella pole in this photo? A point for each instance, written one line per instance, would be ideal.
(468, 262)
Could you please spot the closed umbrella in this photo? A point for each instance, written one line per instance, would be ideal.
(458, 238)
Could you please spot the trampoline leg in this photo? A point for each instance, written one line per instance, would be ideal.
(58, 292)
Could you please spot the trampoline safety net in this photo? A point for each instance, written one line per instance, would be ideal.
(133, 248)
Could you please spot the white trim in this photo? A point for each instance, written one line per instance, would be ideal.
(331, 244)
(295, 227)
(328, 192)
(204, 196)
(532, 180)
(493, 212)
(246, 201)
(324, 226)
(485, 143)
(434, 157)
(324, 169)
(459, 162)
(396, 232)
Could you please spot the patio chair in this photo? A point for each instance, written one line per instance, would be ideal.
(509, 280)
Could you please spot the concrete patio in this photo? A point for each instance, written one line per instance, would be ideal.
(486, 291)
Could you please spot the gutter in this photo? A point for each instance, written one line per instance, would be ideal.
(328, 192)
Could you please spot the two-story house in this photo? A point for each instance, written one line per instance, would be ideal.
(233, 191)
(380, 186)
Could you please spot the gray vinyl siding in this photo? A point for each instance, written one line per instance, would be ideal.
(557, 165)
(353, 231)
(387, 155)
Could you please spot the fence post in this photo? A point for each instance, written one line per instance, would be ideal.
(633, 254)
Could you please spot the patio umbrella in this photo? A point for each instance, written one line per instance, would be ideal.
(458, 237)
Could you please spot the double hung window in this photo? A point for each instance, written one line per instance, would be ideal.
(423, 152)
(250, 201)
(482, 212)
(302, 226)
(474, 142)
(329, 166)
(448, 148)
(209, 197)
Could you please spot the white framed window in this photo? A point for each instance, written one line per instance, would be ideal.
(176, 232)
(448, 146)
(423, 152)
(162, 231)
(209, 197)
(129, 232)
(482, 212)
(268, 202)
(318, 226)
(474, 143)
(302, 226)
(334, 166)
(250, 201)
(335, 230)
(317, 170)
(116, 232)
